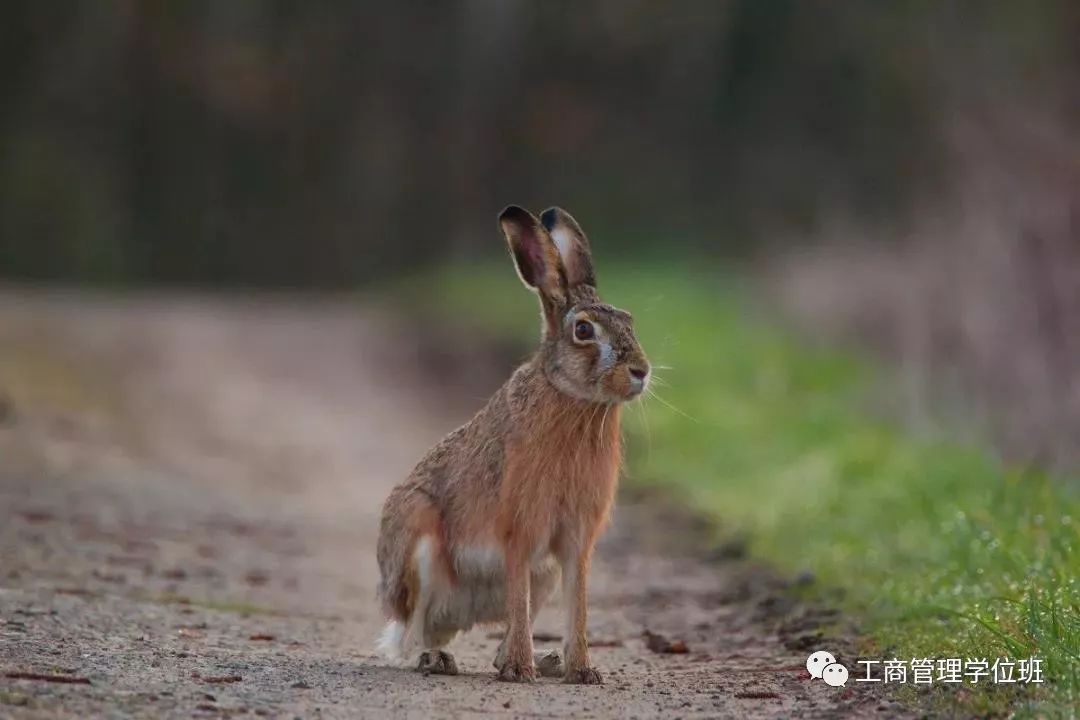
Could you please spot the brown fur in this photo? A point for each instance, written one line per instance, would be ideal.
(535, 470)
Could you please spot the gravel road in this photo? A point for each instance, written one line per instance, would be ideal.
(189, 502)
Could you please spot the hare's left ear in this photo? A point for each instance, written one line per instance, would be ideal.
(537, 262)
(572, 244)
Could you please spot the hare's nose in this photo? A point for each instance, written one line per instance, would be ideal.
(639, 375)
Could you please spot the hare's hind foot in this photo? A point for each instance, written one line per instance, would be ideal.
(548, 664)
(437, 662)
(517, 672)
(584, 676)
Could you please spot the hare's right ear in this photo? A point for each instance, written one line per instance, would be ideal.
(537, 261)
(572, 245)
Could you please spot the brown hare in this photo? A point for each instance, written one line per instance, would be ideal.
(493, 515)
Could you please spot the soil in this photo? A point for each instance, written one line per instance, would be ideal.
(189, 501)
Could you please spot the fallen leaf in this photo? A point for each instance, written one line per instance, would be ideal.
(36, 516)
(109, 577)
(660, 644)
(757, 695)
(605, 643)
(222, 679)
(256, 578)
(135, 561)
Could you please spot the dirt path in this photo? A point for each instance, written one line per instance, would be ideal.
(189, 498)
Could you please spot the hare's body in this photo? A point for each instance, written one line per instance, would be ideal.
(489, 520)
(458, 510)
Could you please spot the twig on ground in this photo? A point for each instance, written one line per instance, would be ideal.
(41, 677)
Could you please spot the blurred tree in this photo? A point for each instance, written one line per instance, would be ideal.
(325, 143)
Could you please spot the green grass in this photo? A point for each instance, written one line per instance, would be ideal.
(939, 550)
(18, 699)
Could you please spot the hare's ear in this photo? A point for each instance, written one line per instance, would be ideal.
(537, 261)
(572, 245)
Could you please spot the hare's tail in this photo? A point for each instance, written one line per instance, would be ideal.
(394, 637)
(407, 559)
(394, 547)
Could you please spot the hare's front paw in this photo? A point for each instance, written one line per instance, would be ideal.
(517, 672)
(584, 676)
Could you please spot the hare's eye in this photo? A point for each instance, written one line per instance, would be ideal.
(584, 330)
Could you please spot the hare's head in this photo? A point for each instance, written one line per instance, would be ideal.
(589, 350)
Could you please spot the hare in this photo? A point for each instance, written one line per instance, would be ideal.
(489, 520)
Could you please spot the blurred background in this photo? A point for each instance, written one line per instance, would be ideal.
(928, 147)
(791, 197)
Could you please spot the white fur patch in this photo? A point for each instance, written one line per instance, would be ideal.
(443, 609)
(391, 644)
(607, 355)
(422, 558)
(563, 241)
(479, 561)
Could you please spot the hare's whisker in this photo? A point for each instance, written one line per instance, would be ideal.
(672, 407)
(603, 421)
(592, 420)
(648, 433)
